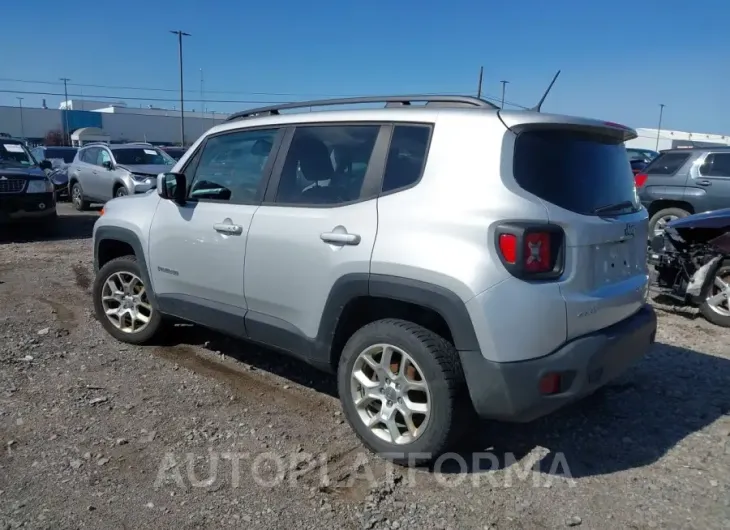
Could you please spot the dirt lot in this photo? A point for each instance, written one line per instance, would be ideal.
(208, 432)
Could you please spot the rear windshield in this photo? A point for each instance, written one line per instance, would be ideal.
(66, 154)
(667, 163)
(575, 170)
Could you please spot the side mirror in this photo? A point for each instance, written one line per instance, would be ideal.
(108, 165)
(45, 165)
(172, 186)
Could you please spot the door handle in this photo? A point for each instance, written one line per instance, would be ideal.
(704, 183)
(340, 238)
(227, 228)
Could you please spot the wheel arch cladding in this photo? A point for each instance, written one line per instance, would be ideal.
(111, 242)
(358, 299)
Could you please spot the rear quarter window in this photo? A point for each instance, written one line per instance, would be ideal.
(667, 164)
(576, 170)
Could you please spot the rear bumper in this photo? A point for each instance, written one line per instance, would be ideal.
(28, 206)
(510, 391)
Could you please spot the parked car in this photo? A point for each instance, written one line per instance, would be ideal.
(440, 259)
(641, 154)
(101, 172)
(26, 192)
(684, 181)
(175, 152)
(692, 262)
(60, 158)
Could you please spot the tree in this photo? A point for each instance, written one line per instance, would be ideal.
(55, 137)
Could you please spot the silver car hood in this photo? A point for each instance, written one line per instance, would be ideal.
(146, 169)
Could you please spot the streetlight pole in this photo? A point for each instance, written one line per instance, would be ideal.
(659, 129)
(481, 76)
(67, 133)
(504, 86)
(22, 126)
(180, 34)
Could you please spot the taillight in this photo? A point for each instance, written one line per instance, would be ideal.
(640, 179)
(531, 251)
(508, 247)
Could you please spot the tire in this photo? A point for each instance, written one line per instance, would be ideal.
(126, 265)
(77, 198)
(666, 213)
(718, 314)
(439, 364)
(120, 191)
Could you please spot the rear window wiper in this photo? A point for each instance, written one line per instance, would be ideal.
(613, 208)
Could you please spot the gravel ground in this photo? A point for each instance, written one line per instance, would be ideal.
(209, 432)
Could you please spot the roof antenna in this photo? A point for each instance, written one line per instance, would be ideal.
(537, 107)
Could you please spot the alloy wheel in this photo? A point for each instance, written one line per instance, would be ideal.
(661, 224)
(390, 394)
(125, 303)
(718, 299)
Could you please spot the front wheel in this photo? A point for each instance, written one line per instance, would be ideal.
(716, 307)
(121, 191)
(402, 390)
(77, 197)
(122, 303)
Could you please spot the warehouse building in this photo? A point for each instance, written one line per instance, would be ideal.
(117, 121)
(659, 140)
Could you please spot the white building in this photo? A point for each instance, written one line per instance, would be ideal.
(675, 139)
(119, 121)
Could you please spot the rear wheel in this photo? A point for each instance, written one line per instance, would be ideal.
(659, 220)
(716, 307)
(403, 391)
(77, 197)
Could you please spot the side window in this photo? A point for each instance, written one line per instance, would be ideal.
(231, 166)
(406, 156)
(102, 157)
(326, 164)
(90, 155)
(716, 165)
(38, 154)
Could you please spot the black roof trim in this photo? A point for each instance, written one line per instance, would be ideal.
(391, 101)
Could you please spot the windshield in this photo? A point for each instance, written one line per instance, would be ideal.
(60, 153)
(578, 171)
(15, 154)
(140, 156)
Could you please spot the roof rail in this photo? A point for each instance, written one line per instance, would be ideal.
(391, 101)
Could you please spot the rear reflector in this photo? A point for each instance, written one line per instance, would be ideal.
(640, 179)
(550, 384)
(508, 247)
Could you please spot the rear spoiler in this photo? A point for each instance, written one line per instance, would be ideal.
(520, 120)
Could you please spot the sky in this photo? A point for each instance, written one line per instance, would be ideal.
(619, 60)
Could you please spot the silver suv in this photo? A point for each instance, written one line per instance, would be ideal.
(441, 259)
(101, 172)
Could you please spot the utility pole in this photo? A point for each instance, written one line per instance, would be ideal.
(67, 133)
(22, 126)
(180, 34)
(481, 76)
(504, 86)
(202, 104)
(659, 129)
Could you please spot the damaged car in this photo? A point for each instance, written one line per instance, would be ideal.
(692, 263)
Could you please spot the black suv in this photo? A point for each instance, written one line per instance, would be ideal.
(26, 193)
(680, 182)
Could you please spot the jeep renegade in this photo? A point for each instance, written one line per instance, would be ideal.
(442, 258)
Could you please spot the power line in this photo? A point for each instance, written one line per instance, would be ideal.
(274, 94)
